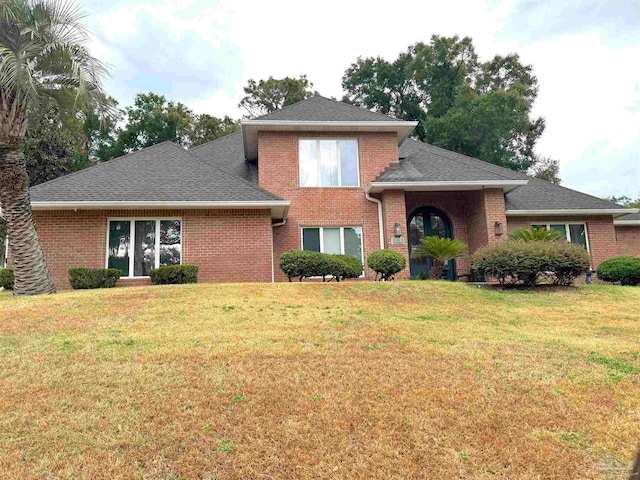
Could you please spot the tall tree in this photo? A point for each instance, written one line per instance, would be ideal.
(205, 128)
(478, 109)
(150, 120)
(272, 94)
(42, 51)
(51, 146)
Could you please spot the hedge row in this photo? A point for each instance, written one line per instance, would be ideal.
(87, 278)
(303, 264)
(174, 274)
(518, 261)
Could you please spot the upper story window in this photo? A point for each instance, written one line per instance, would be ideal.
(329, 163)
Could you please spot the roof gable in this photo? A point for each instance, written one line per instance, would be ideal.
(322, 109)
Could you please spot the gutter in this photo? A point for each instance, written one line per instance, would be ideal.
(623, 223)
(273, 267)
(380, 222)
(616, 212)
(156, 204)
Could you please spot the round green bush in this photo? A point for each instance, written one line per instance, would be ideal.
(624, 269)
(386, 263)
(6, 278)
(518, 261)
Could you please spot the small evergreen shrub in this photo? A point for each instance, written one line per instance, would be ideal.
(174, 274)
(386, 263)
(624, 269)
(525, 262)
(86, 278)
(6, 278)
(303, 264)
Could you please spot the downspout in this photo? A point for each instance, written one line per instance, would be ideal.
(273, 268)
(380, 223)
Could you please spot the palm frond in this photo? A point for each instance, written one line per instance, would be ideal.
(535, 235)
(440, 249)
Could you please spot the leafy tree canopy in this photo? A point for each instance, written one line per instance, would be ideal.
(481, 109)
(272, 94)
(545, 168)
(624, 200)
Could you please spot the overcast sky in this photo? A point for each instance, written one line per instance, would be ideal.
(585, 54)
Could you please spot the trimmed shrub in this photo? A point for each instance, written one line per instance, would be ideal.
(624, 269)
(86, 278)
(6, 278)
(174, 274)
(342, 267)
(386, 263)
(303, 264)
(518, 261)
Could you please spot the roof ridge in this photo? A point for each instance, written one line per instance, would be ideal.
(100, 164)
(214, 140)
(214, 167)
(480, 167)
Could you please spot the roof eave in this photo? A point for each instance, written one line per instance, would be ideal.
(418, 186)
(250, 129)
(279, 208)
(615, 212)
(626, 223)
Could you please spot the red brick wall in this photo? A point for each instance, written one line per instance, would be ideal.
(227, 245)
(394, 211)
(628, 239)
(346, 206)
(600, 233)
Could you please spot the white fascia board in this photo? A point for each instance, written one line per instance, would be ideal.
(279, 208)
(616, 212)
(629, 223)
(459, 185)
(303, 124)
(250, 129)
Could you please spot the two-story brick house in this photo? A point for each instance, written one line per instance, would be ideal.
(319, 175)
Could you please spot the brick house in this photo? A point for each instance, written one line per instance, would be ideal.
(319, 175)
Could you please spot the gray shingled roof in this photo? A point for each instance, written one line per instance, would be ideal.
(542, 195)
(227, 154)
(423, 162)
(321, 109)
(630, 216)
(164, 172)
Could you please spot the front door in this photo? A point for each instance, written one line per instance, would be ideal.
(428, 222)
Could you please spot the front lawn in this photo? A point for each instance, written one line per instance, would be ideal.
(353, 380)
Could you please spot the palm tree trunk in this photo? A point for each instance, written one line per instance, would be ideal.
(32, 276)
(436, 270)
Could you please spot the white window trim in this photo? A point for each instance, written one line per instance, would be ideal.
(341, 240)
(566, 229)
(337, 140)
(132, 238)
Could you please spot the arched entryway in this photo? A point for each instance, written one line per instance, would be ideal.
(428, 222)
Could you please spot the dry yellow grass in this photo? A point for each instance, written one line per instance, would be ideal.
(354, 380)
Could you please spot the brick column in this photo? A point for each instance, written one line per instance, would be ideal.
(495, 212)
(394, 211)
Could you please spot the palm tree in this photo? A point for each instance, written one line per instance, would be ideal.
(441, 250)
(535, 235)
(42, 52)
